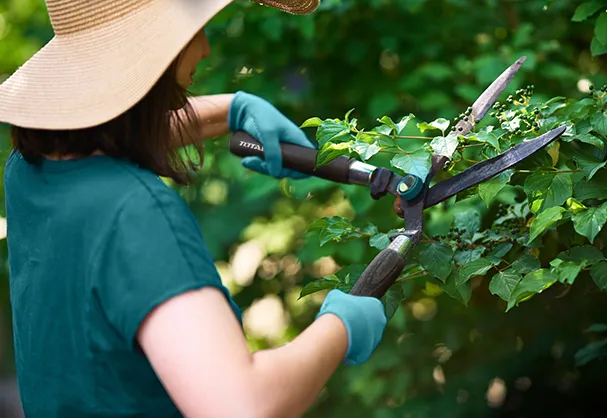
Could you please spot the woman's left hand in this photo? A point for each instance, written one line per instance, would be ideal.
(265, 123)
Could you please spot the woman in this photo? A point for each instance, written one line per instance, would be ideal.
(118, 309)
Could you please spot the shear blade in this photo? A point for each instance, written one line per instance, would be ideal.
(488, 169)
(486, 100)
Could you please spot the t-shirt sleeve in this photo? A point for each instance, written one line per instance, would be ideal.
(153, 251)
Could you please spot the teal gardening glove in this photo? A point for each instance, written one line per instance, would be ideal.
(265, 123)
(365, 321)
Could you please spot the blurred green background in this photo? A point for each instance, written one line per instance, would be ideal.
(427, 57)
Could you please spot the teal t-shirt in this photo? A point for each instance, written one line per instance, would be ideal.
(94, 245)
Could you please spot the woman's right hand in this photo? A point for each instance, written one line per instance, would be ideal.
(364, 318)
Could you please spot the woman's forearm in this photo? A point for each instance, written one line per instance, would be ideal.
(211, 113)
(289, 378)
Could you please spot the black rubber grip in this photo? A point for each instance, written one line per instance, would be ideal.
(295, 157)
(380, 274)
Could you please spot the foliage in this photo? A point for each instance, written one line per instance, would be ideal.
(562, 188)
(428, 58)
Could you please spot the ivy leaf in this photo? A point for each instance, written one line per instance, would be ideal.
(546, 190)
(545, 220)
(330, 282)
(335, 228)
(469, 222)
(365, 150)
(441, 124)
(503, 283)
(475, 268)
(567, 271)
(598, 272)
(466, 256)
(599, 120)
(587, 9)
(489, 189)
(312, 123)
(590, 221)
(379, 241)
(460, 292)
(589, 165)
(332, 130)
(330, 151)
(533, 283)
(416, 163)
(444, 145)
(526, 264)
(600, 28)
(437, 260)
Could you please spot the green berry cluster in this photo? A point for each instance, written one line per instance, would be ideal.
(594, 92)
(463, 116)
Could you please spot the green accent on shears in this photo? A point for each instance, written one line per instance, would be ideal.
(410, 187)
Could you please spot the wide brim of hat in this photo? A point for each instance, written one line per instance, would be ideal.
(85, 79)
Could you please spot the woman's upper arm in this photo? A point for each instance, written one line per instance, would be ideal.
(196, 346)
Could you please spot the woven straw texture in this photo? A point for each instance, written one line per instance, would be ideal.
(105, 56)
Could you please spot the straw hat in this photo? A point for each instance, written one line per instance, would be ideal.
(105, 56)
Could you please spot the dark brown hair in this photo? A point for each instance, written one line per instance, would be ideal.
(150, 134)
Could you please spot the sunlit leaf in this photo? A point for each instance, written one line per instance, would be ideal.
(503, 283)
(545, 220)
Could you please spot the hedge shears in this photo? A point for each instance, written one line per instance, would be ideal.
(413, 193)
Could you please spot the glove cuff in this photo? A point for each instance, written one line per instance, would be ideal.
(235, 111)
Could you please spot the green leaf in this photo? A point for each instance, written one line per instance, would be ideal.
(312, 123)
(392, 299)
(365, 150)
(489, 189)
(588, 164)
(598, 272)
(588, 138)
(416, 163)
(594, 350)
(546, 190)
(503, 283)
(469, 222)
(441, 124)
(397, 127)
(444, 145)
(585, 255)
(587, 9)
(332, 130)
(526, 264)
(474, 268)
(593, 189)
(596, 328)
(330, 151)
(330, 282)
(567, 271)
(596, 47)
(599, 122)
(600, 28)
(460, 292)
(533, 283)
(545, 220)
(379, 241)
(466, 256)
(437, 260)
(590, 221)
(496, 255)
